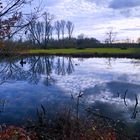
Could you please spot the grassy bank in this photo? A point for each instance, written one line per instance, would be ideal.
(86, 51)
(89, 52)
(67, 125)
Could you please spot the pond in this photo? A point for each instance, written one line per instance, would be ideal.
(109, 85)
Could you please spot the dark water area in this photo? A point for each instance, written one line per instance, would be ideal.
(109, 85)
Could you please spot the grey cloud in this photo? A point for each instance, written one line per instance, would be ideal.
(120, 4)
(126, 12)
(130, 12)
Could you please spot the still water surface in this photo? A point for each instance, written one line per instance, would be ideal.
(109, 85)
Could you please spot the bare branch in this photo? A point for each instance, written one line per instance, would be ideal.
(70, 28)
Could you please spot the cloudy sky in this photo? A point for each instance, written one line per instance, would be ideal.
(94, 17)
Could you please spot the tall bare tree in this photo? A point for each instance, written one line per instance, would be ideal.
(51, 32)
(110, 35)
(57, 25)
(40, 32)
(36, 31)
(70, 28)
(48, 18)
(63, 25)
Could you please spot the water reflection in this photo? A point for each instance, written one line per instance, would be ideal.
(11, 71)
(28, 82)
(35, 68)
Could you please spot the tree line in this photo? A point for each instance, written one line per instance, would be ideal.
(33, 31)
(42, 32)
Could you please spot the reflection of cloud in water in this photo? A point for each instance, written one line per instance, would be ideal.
(49, 81)
(101, 84)
(94, 71)
(121, 87)
(106, 95)
(23, 99)
(110, 110)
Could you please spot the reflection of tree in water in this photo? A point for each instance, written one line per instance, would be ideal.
(109, 62)
(81, 59)
(10, 70)
(39, 68)
(70, 67)
(64, 66)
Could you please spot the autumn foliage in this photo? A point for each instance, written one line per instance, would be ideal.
(7, 23)
(16, 133)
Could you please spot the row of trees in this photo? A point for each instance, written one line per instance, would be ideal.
(41, 32)
(44, 32)
(36, 66)
(61, 26)
(13, 21)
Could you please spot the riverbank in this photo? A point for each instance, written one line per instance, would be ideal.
(89, 52)
(68, 126)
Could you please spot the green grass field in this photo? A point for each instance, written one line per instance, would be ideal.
(84, 51)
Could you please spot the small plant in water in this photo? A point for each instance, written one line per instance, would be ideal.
(68, 125)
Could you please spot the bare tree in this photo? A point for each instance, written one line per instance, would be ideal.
(48, 18)
(57, 25)
(63, 25)
(40, 32)
(70, 28)
(35, 32)
(51, 32)
(110, 35)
